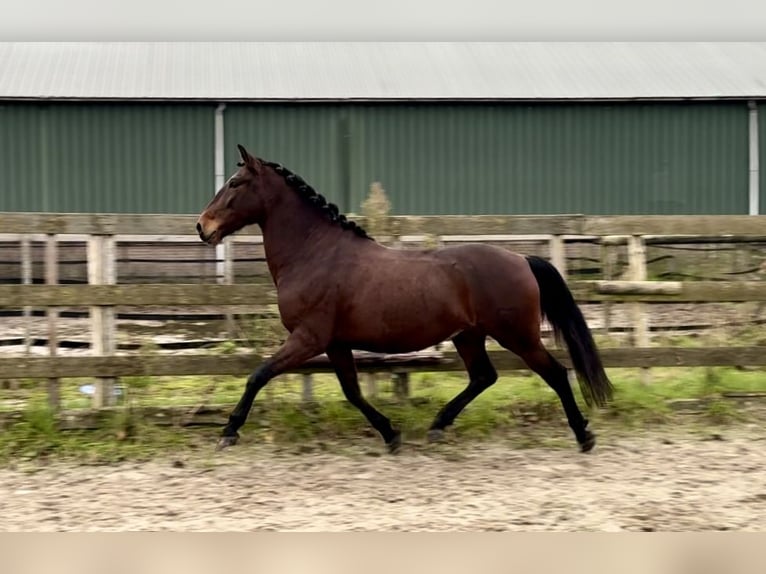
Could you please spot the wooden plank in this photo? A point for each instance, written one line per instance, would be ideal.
(640, 287)
(103, 223)
(256, 294)
(696, 239)
(155, 365)
(148, 224)
(708, 225)
(487, 225)
(691, 292)
(487, 238)
(144, 295)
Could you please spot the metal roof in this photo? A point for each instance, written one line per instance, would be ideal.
(375, 70)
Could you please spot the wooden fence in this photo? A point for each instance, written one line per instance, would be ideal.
(103, 292)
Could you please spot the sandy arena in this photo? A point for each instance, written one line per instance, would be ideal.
(692, 482)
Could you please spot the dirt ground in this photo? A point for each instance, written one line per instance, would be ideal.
(688, 482)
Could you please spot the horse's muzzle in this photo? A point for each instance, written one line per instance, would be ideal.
(209, 238)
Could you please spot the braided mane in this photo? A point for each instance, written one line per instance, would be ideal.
(310, 196)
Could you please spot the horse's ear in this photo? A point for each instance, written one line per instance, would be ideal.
(247, 159)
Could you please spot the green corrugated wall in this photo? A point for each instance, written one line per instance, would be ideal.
(593, 158)
(629, 158)
(22, 161)
(140, 158)
(308, 139)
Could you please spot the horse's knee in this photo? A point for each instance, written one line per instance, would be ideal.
(258, 379)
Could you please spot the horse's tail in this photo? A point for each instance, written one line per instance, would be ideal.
(561, 310)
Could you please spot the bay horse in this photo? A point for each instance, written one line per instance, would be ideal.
(338, 290)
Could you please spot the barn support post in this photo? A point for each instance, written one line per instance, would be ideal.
(753, 199)
(224, 251)
(220, 178)
(102, 271)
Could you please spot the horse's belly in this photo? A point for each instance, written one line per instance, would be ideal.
(402, 329)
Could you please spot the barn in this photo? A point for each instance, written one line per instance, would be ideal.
(446, 128)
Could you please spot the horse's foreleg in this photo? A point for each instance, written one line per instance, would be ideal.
(299, 347)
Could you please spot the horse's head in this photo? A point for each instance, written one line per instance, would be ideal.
(238, 203)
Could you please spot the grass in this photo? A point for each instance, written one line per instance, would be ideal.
(521, 407)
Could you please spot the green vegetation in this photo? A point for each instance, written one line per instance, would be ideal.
(519, 408)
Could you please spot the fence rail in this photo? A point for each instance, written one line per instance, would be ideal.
(254, 294)
(105, 292)
(180, 365)
(575, 224)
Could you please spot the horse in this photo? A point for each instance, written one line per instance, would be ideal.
(339, 290)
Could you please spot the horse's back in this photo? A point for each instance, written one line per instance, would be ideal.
(400, 300)
(486, 259)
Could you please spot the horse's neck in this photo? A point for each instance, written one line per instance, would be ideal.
(293, 236)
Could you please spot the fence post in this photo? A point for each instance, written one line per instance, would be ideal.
(101, 271)
(607, 273)
(558, 254)
(307, 394)
(401, 384)
(227, 278)
(372, 385)
(52, 278)
(637, 268)
(26, 279)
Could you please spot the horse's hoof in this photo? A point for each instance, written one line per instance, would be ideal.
(435, 435)
(589, 442)
(395, 443)
(225, 441)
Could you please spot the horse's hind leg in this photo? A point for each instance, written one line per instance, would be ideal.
(342, 361)
(482, 375)
(537, 358)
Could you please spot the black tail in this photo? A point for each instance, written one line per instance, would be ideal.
(561, 310)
